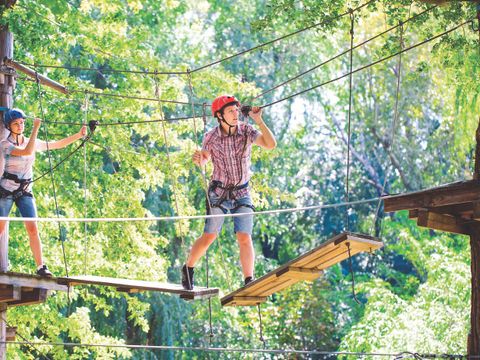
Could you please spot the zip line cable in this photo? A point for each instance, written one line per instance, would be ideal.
(147, 72)
(341, 54)
(193, 217)
(369, 65)
(243, 350)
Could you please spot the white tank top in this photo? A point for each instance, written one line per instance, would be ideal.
(22, 166)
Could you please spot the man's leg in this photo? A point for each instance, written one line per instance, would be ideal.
(243, 226)
(200, 247)
(247, 254)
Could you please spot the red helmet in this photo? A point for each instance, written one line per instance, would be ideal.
(222, 101)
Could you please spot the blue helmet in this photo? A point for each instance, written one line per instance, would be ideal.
(12, 114)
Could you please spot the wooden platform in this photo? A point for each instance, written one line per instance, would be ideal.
(451, 207)
(133, 286)
(23, 289)
(306, 267)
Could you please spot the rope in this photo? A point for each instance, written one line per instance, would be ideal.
(281, 38)
(393, 128)
(240, 350)
(347, 185)
(262, 339)
(204, 118)
(351, 272)
(192, 217)
(176, 72)
(368, 65)
(127, 71)
(45, 129)
(85, 199)
(121, 96)
(170, 165)
(340, 54)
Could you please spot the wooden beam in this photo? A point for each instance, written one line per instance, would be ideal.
(31, 297)
(243, 300)
(441, 222)
(31, 281)
(10, 293)
(299, 273)
(449, 194)
(35, 75)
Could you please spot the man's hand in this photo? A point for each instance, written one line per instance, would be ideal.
(200, 157)
(256, 114)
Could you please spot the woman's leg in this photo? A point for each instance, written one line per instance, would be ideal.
(28, 209)
(5, 207)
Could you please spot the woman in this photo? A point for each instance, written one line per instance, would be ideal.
(18, 154)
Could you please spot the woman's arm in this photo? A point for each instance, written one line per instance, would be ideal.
(60, 144)
(30, 148)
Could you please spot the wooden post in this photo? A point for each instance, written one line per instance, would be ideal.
(473, 345)
(7, 83)
(474, 336)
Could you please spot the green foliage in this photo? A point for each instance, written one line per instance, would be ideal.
(418, 284)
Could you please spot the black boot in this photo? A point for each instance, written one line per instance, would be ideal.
(43, 271)
(187, 277)
(248, 280)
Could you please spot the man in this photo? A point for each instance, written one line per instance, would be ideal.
(229, 146)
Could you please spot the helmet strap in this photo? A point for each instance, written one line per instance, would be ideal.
(230, 127)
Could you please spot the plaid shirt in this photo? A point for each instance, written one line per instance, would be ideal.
(231, 155)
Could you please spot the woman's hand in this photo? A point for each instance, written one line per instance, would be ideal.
(37, 122)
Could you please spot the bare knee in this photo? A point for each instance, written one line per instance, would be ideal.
(209, 238)
(244, 238)
(31, 227)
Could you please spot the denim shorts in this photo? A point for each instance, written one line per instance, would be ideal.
(243, 224)
(25, 204)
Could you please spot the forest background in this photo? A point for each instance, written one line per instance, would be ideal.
(414, 293)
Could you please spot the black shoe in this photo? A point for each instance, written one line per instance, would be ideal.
(248, 280)
(187, 277)
(43, 271)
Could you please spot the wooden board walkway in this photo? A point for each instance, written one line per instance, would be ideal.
(308, 267)
(24, 289)
(451, 207)
(133, 286)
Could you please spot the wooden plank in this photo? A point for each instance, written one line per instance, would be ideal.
(441, 222)
(449, 194)
(476, 210)
(128, 285)
(306, 267)
(413, 214)
(242, 300)
(36, 296)
(10, 293)
(32, 281)
(299, 273)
